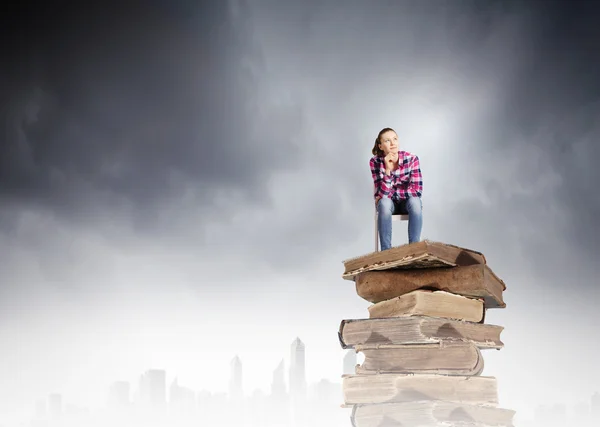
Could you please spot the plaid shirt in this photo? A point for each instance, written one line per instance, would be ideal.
(402, 183)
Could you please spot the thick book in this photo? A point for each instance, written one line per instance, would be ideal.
(425, 254)
(430, 303)
(365, 389)
(475, 281)
(445, 358)
(355, 333)
(430, 413)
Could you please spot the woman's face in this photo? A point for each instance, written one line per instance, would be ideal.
(388, 142)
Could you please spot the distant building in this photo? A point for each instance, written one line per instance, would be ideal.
(153, 388)
(41, 409)
(181, 399)
(297, 370)
(55, 405)
(326, 394)
(298, 410)
(595, 406)
(581, 414)
(118, 395)
(236, 390)
(278, 388)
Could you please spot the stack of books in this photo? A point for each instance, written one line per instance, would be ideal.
(423, 338)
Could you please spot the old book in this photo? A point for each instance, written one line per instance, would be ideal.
(430, 303)
(479, 390)
(476, 281)
(445, 358)
(423, 413)
(425, 254)
(416, 330)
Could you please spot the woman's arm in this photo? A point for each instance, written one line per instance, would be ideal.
(384, 183)
(415, 185)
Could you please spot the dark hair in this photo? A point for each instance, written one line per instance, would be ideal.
(376, 150)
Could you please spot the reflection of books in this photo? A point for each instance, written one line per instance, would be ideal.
(423, 413)
(422, 341)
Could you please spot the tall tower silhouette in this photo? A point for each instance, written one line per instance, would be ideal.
(595, 407)
(278, 389)
(297, 383)
(153, 388)
(298, 369)
(55, 405)
(236, 391)
(278, 412)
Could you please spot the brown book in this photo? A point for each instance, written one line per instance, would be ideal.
(476, 281)
(357, 389)
(425, 254)
(354, 333)
(427, 303)
(429, 413)
(445, 358)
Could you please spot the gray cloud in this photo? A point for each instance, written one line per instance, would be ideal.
(266, 112)
(547, 129)
(109, 107)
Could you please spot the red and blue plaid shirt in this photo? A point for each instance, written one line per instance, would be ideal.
(404, 182)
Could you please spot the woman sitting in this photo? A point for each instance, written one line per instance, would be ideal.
(398, 187)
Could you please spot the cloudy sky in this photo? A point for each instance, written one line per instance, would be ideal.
(181, 181)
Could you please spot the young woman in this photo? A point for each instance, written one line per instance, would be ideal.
(398, 187)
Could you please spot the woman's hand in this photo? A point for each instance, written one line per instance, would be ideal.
(391, 162)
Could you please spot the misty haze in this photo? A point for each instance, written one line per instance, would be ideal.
(181, 181)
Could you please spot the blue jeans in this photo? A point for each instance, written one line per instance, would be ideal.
(412, 206)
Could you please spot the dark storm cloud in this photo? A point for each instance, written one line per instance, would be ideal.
(549, 123)
(110, 105)
(145, 108)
